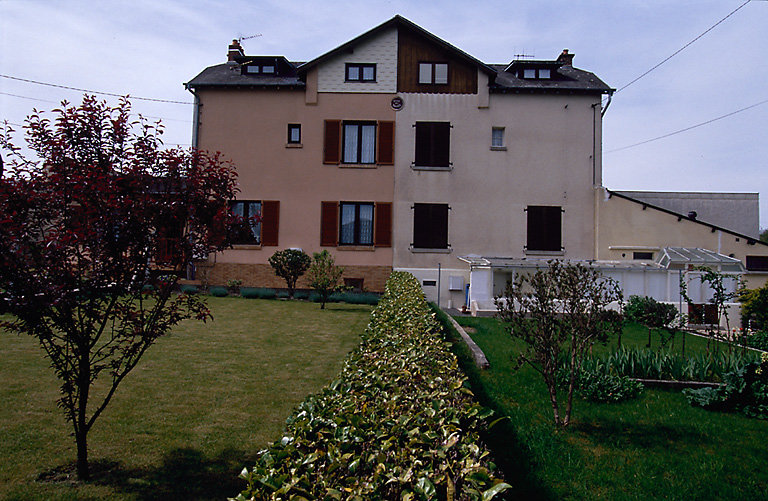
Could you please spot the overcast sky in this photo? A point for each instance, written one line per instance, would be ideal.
(149, 48)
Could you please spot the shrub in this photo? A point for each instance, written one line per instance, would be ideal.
(398, 422)
(218, 291)
(597, 382)
(745, 391)
(189, 289)
(290, 264)
(324, 275)
(257, 293)
(301, 295)
(754, 309)
(355, 298)
(757, 340)
(283, 295)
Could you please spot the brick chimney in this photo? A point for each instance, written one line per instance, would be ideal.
(234, 51)
(565, 58)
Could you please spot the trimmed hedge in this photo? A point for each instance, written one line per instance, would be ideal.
(258, 293)
(398, 423)
(218, 291)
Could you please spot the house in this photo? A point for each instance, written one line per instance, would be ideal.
(397, 150)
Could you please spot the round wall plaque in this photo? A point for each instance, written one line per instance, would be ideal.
(397, 103)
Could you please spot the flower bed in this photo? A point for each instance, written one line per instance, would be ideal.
(398, 423)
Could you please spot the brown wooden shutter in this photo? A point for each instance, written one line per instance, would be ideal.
(332, 148)
(386, 143)
(441, 144)
(329, 224)
(270, 222)
(383, 232)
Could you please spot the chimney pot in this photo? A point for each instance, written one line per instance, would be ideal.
(692, 214)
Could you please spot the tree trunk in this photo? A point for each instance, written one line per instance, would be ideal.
(552, 387)
(83, 470)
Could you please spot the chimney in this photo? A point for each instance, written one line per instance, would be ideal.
(565, 58)
(234, 51)
(692, 215)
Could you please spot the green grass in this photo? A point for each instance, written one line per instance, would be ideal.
(199, 406)
(656, 447)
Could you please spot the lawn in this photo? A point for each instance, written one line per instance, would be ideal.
(656, 447)
(199, 406)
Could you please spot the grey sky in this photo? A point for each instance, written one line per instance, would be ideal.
(148, 48)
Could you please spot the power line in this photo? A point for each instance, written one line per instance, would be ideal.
(678, 51)
(94, 91)
(689, 128)
(55, 102)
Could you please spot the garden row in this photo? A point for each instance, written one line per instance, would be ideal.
(398, 423)
(268, 293)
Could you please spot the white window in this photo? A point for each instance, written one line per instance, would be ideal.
(268, 69)
(544, 73)
(433, 73)
(497, 137)
(529, 73)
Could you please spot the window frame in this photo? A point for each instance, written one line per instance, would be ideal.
(545, 240)
(357, 239)
(361, 67)
(359, 124)
(291, 128)
(501, 144)
(433, 72)
(257, 239)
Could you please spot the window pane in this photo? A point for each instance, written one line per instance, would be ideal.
(368, 152)
(366, 224)
(252, 68)
(347, 233)
(544, 228)
(497, 137)
(353, 73)
(254, 220)
(430, 226)
(544, 73)
(267, 69)
(425, 73)
(350, 144)
(295, 133)
(441, 73)
(368, 73)
(529, 73)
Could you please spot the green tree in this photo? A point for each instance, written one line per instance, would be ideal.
(324, 275)
(560, 312)
(290, 264)
(764, 235)
(653, 315)
(754, 309)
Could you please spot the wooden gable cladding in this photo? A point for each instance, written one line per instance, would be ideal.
(413, 49)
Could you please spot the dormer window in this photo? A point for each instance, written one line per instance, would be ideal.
(260, 69)
(535, 73)
(360, 72)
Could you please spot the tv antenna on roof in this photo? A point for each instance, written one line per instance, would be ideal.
(524, 56)
(240, 39)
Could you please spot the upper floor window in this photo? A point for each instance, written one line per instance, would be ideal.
(433, 73)
(360, 72)
(757, 263)
(294, 133)
(359, 143)
(533, 73)
(544, 228)
(433, 141)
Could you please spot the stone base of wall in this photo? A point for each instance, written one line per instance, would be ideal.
(262, 275)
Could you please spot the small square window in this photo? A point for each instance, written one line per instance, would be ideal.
(253, 68)
(642, 255)
(497, 137)
(268, 69)
(433, 73)
(544, 73)
(353, 73)
(369, 73)
(529, 73)
(294, 133)
(425, 73)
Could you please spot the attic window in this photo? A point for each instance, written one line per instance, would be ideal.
(544, 73)
(260, 69)
(268, 69)
(357, 72)
(535, 73)
(433, 73)
(529, 73)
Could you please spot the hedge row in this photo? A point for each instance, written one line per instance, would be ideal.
(398, 423)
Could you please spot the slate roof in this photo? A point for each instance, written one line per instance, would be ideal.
(565, 78)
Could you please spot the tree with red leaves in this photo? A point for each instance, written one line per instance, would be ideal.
(84, 227)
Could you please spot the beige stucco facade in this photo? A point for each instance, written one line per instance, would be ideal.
(624, 226)
(551, 156)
